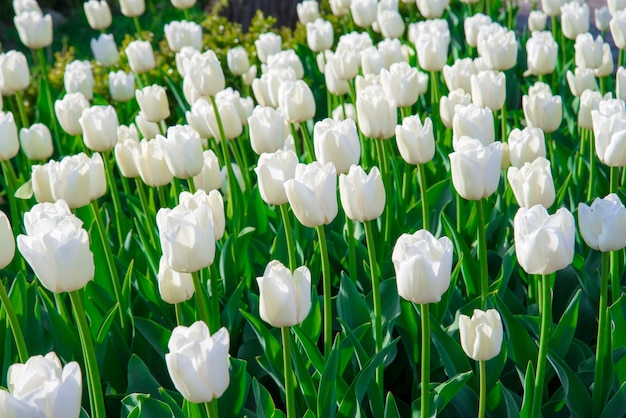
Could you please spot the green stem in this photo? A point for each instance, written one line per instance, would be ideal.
(615, 263)
(482, 255)
(191, 184)
(289, 383)
(53, 121)
(424, 196)
(308, 143)
(137, 27)
(294, 134)
(482, 399)
(378, 321)
(203, 312)
(291, 247)
(232, 182)
(179, 314)
(211, 408)
(215, 297)
(108, 255)
(15, 324)
(425, 399)
(434, 97)
(603, 345)
(544, 339)
(96, 398)
(503, 122)
(19, 98)
(162, 198)
(592, 167)
(117, 205)
(11, 187)
(146, 209)
(351, 250)
(240, 163)
(328, 315)
(187, 15)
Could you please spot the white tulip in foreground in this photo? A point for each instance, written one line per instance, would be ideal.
(532, 184)
(475, 168)
(312, 194)
(198, 362)
(337, 143)
(42, 388)
(423, 265)
(603, 224)
(362, 195)
(416, 142)
(285, 297)
(481, 335)
(174, 287)
(272, 171)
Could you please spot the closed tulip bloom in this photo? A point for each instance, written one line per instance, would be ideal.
(149, 130)
(355, 42)
(498, 47)
(78, 78)
(284, 59)
(574, 19)
(312, 194)
(57, 248)
(77, 179)
(609, 129)
(213, 200)
(416, 142)
(582, 79)
(8, 241)
(199, 116)
(14, 73)
(475, 168)
(34, 29)
(489, 89)
(9, 142)
(372, 61)
(267, 130)
(42, 387)
(210, 177)
(472, 25)
(544, 243)
(237, 60)
(606, 68)
(542, 109)
(615, 6)
(273, 170)
(121, 86)
(364, 12)
(124, 158)
(296, 101)
(362, 82)
(532, 184)
(98, 14)
(376, 114)
(36, 142)
(588, 51)
(432, 51)
(125, 132)
(266, 87)
(174, 287)
(319, 35)
(99, 125)
(393, 51)
(150, 162)
(105, 50)
(348, 111)
(481, 335)
(602, 17)
(308, 11)
(526, 145)
(362, 195)
(339, 7)
(589, 101)
(21, 6)
(183, 4)
(337, 143)
(206, 74)
(618, 28)
(459, 74)
(153, 103)
(552, 7)
(267, 44)
(601, 224)
(432, 9)
(391, 23)
(473, 121)
(536, 20)
(230, 119)
(133, 8)
(182, 33)
(284, 297)
(187, 237)
(186, 53)
(423, 265)
(182, 150)
(400, 84)
(198, 362)
(345, 63)
(541, 52)
(140, 56)
(448, 104)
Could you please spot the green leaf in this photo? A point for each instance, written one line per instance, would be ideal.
(529, 387)
(618, 334)
(446, 391)
(264, 404)
(305, 382)
(351, 307)
(232, 401)
(310, 348)
(577, 398)
(140, 378)
(564, 331)
(326, 398)
(271, 347)
(520, 347)
(391, 409)
(157, 335)
(616, 406)
(174, 407)
(469, 267)
(449, 350)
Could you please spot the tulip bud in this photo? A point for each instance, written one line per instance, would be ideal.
(364, 12)
(475, 168)
(489, 89)
(526, 145)
(533, 184)
(602, 18)
(472, 25)
(552, 7)
(574, 19)
(497, 46)
(448, 104)
(22, 6)
(213, 200)
(339, 7)
(132, 8)
(124, 158)
(230, 119)
(69, 110)
(312, 194)
(14, 73)
(355, 42)
(542, 109)
(606, 67)
(267, 130)
(34, 29)
(608, 128)
(205, 72)
(400, 84)
(308, 11)
(183, 4)
(140, 56)
(8, 241)
(98, 14)
(473, 121)
(362, 195)
(319, 35)
(42, 387)
(105, 50)
(579, 81)
(337, 143)
(249, 76)
(149, 130)
(237, 60)
(615, 6)
(598, 224)
(9, 142)
(174, 287)
(423, 266)
(121, 86)
(343, 112)
(210, 177)
(432, 50)
(57, 249)
(153, 103)
(618, 28)
(543, 243)
(99, 125)
(589, 101)
(198, 362)
(183, 33)
(150, 163)
(459, 74)
(416, 142)
(36, 142)
(296, 101)
(285, 59)
(588, 51)
(481, 335)
(536, 20)
(267, 44)
(78, 78)
(376, 115)
(391, 23)
(182, 150)
(273, 170)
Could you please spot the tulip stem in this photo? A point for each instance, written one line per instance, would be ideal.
(592, 167)
(544, 337)
(137, 27)
(328, 315)
(211, 408)
(424, 195)
(117, 205)
(53, 121)
(308, 143)
(603, 343)
(162, 198)
(203, 312)
(351, 250)
(503, 122)
(192, 185)
(240, 163)
(615, 264)
(291, 248)
(425, 400)
(289, 383)
(215, 297)
(15, 324)
(434, 97)
(179, 314)
(146, 208)
(108, 255)
(482, 399)
(482, 255)
(229, 168)
(378, 324)
(91, 363)
(294, 134)
(19, 98)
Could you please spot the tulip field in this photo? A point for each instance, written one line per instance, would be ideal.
(395, 209)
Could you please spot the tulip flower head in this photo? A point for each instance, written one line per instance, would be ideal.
(14, 73)
(9, 142)
(601, 223)
(36, 142)
(362, 195)
(609, 125)
(376, 114)
(337, 143)
(532, 184)
(34, 29)
(98, 14)
(475, 168)
(312, 193)
(542, 109)
(8, 241)
(416, 142)
(481, 335)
